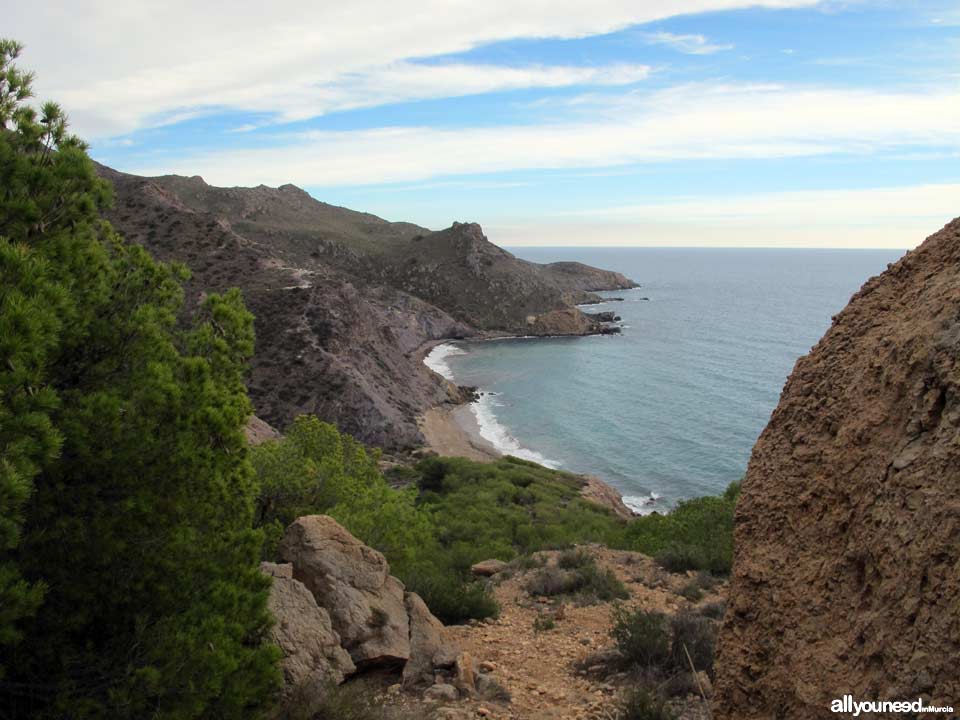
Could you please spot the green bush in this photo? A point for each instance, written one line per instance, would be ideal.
(574, 558)
(587, 582)
(641, 636)
(696, 535)
(696, 635)
(544, 623)
(641, 704)
(451, 598)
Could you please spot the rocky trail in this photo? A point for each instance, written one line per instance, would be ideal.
(569, 671)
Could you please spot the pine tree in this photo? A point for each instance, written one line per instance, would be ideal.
(128, 569)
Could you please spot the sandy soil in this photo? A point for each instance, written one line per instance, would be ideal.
(454, 432)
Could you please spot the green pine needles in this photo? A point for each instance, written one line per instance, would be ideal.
(128, 567)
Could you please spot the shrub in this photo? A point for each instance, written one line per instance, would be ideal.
(691, 591)
(588, 582)
(451, 599)
(351, 701)
(714, 610)
(696, 535)
(641, 704)
(696, 635)
(574, 558)
(544, 623)
(641, 636)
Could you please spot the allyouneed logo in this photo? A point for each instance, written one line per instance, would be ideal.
(847, 704)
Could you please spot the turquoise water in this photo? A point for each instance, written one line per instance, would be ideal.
(671, 408)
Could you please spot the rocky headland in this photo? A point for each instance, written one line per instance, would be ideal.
(345, 302)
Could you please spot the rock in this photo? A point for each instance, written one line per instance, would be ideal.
(465, 678)
(597, 491)
(449, 713)
(847, 542)
(603, 316)
(353, 582)
(430, 646)
(486, 666)
(312, 656)
(441, 692)
(258, 431)
(568, 321)
(492, 689)
(487, 568)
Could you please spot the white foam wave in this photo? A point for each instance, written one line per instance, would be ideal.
(643, 504)
(497, 435)
(436, 359)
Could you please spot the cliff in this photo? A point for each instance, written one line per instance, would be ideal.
(845, 575)
(345, 301)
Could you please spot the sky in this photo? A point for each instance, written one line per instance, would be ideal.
(766, 123)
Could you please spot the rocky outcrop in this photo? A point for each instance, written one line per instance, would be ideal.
(845, 576)
(353, 582)
(488, 568)
(430, 647)
(312, 655)
(343, 301)
(597, 491)
(568, 321)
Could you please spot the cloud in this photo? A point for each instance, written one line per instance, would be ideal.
(118, 67)
(896, 217)
(405, 82)
(681, 123)
(689, 44)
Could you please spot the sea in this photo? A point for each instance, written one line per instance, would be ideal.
(670, 408)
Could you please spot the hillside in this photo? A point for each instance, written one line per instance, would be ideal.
(345, 302)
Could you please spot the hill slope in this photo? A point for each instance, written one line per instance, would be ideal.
(345, 302)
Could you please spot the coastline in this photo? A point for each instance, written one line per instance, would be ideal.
(453, 431)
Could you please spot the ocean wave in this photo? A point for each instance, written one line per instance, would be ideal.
(497, 435)
(644, 504)
(436, 359)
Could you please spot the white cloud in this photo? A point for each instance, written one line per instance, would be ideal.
(405, 81)
(118, 66)
(692, 44)
(687, 122)
(895, 217)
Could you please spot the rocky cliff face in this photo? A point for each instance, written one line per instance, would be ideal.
(847, 569)
(344, 301)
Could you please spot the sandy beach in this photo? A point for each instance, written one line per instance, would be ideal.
(453, 431)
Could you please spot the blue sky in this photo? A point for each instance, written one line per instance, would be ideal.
(680, 122)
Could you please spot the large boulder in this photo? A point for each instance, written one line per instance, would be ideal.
(353, 582)
(846, 576)
(312, 656)
(431, 649)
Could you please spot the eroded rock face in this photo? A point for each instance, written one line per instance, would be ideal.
(353, 582)
(312, 656)
(847, 568)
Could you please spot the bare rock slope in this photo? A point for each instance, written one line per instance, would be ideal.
(847, 568)
(345, 301)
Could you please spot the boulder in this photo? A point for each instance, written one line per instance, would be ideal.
(464, 680)
(441, 692)
(847, 540)
(487, 568)
(353, 582)
(312, 656)
(431, 649)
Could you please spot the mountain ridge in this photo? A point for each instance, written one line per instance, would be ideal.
(345, 301)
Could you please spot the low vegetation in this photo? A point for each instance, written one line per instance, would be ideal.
(696, 535)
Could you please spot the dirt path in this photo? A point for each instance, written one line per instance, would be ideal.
(545, 671)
